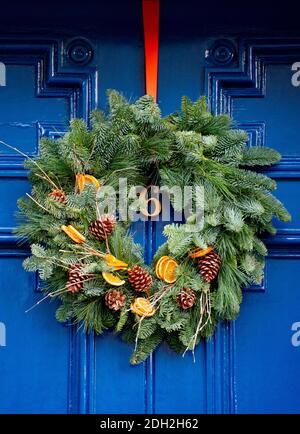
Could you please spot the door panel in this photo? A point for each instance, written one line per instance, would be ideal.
(86, 374)
(180, 382)
(288, 192)
(119, 386)
(39, 369)
(252, 364)
(11, 188)
(34, 363)
(267, 363)
(278, 109)
(21, 110)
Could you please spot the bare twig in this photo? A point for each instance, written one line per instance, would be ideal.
(30, 159)
(205, 312)
(37, 203)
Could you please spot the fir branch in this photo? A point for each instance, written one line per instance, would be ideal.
(146, 347)
(259, 156)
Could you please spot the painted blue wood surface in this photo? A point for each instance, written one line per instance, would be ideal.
(250, 365)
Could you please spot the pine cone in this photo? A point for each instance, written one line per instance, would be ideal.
(114, 299)
(209, 266)
(103, 227)
(186, 298)
(58, 195)
(140, 279)
(76, 278)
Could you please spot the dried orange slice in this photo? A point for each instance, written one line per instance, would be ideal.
(142, 307)
(169, 271)
(159, 265)
(197, 253)
(80, 181)
(112, 261)
(112, 279)
(162, 266)
(92, 180)
(73, 233)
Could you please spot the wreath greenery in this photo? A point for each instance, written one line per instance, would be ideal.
(90, 261)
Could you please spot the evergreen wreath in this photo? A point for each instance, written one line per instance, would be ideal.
(90, 261)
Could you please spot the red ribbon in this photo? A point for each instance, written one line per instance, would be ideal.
(151, 35)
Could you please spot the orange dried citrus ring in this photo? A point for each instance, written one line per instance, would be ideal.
(92, 180)
(169, 275)
(73, 233)
(112, 279)
(162, 266)
(112, 261)
(159, 264)
(197, 253)
(142, 307)
(80, 181)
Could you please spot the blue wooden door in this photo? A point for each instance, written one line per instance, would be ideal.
(250, 365)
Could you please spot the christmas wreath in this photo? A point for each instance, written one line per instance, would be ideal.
(89, 259)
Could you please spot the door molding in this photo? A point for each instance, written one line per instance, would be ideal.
(245, 76)
(57, 75)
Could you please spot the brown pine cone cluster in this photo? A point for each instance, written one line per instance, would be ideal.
(76, 278)
(186, 298)
(209, 266)
(115, 299)
(58, 195)
(103, 227)
(140, 279)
